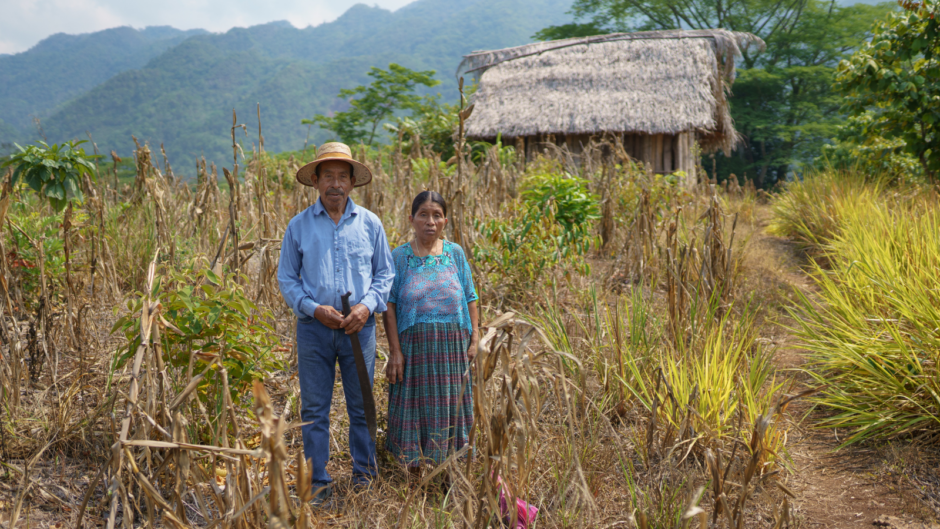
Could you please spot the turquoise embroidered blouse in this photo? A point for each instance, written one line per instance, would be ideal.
(432, 289)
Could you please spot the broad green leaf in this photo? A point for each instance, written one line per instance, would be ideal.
(16, 175)
(72, 191)
(55, 190)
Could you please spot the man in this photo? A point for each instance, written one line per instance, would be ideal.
(331, 248)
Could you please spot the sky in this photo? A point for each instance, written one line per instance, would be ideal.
(26, 22)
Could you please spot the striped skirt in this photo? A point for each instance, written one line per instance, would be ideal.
(427, 418)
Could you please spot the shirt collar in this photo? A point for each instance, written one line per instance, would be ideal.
(351, 208)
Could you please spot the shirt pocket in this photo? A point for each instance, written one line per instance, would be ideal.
(360, 253)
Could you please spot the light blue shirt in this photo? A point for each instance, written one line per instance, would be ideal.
(321, 260)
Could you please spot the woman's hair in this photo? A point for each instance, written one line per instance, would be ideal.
(428, 196)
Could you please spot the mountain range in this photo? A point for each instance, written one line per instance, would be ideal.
(36, 82)
(178, 88)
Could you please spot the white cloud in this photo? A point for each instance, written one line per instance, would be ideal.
(25, 22)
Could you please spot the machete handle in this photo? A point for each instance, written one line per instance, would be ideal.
(346, 307)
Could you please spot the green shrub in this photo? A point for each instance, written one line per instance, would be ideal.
(505, 153)
(858, 148)
(575, 207)
(38, 228)
(892, 78)
(206, 320)
(54, 171)
(541, 236)
(527, 247)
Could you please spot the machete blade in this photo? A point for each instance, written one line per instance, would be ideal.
(365, 384)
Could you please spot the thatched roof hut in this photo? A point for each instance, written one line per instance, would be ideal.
(660, 90)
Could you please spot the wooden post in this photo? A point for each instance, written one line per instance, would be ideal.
(658, 153)
(667, 154)
(684, 161)
(682, 154)
(520, 152)
(646, 150)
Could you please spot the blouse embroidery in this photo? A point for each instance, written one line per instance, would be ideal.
(432, 289)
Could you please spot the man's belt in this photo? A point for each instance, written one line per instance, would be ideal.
(365, 384)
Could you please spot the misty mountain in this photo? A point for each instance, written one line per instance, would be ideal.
(37, 81)
(184, 96)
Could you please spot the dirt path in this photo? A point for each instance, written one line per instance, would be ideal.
(849, 488)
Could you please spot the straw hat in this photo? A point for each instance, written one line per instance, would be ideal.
(334, 150)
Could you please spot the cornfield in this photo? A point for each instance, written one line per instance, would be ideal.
(619, 383)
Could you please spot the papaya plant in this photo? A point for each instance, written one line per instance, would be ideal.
(54, 171)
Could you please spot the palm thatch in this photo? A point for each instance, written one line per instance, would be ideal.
(655, 82)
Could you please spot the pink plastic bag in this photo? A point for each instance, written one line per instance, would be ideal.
(525, 513)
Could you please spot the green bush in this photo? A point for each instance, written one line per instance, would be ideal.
(893, 79)
(39, 228)
(206, 319)
(525, 247)
(870, 154)
(542, 236)
(54, 172)
(575, 207)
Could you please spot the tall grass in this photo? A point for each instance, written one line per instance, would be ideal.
(810, 211)
(874, 331)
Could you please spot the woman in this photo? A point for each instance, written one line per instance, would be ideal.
(432, 332)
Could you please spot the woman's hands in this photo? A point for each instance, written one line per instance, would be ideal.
(395, 368)
(474, 344)
(474, 331)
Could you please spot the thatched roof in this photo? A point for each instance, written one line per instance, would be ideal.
(656, 82)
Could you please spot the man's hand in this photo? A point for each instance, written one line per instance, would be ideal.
(329, 316)
(395, 369)
(358, 315)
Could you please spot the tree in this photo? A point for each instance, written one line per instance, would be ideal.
(881, 159)
(53, 172)
(391, 91)
(433, 126)
(894, 79)
(56, 174)
(783, 103)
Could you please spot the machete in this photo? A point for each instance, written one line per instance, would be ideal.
(365, 384)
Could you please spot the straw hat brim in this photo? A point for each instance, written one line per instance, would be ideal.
(307, 174)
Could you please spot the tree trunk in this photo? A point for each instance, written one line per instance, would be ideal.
(69, 289)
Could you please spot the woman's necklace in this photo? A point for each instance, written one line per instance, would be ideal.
(436, 249)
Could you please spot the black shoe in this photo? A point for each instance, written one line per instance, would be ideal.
(322, 494)
(361, 484)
